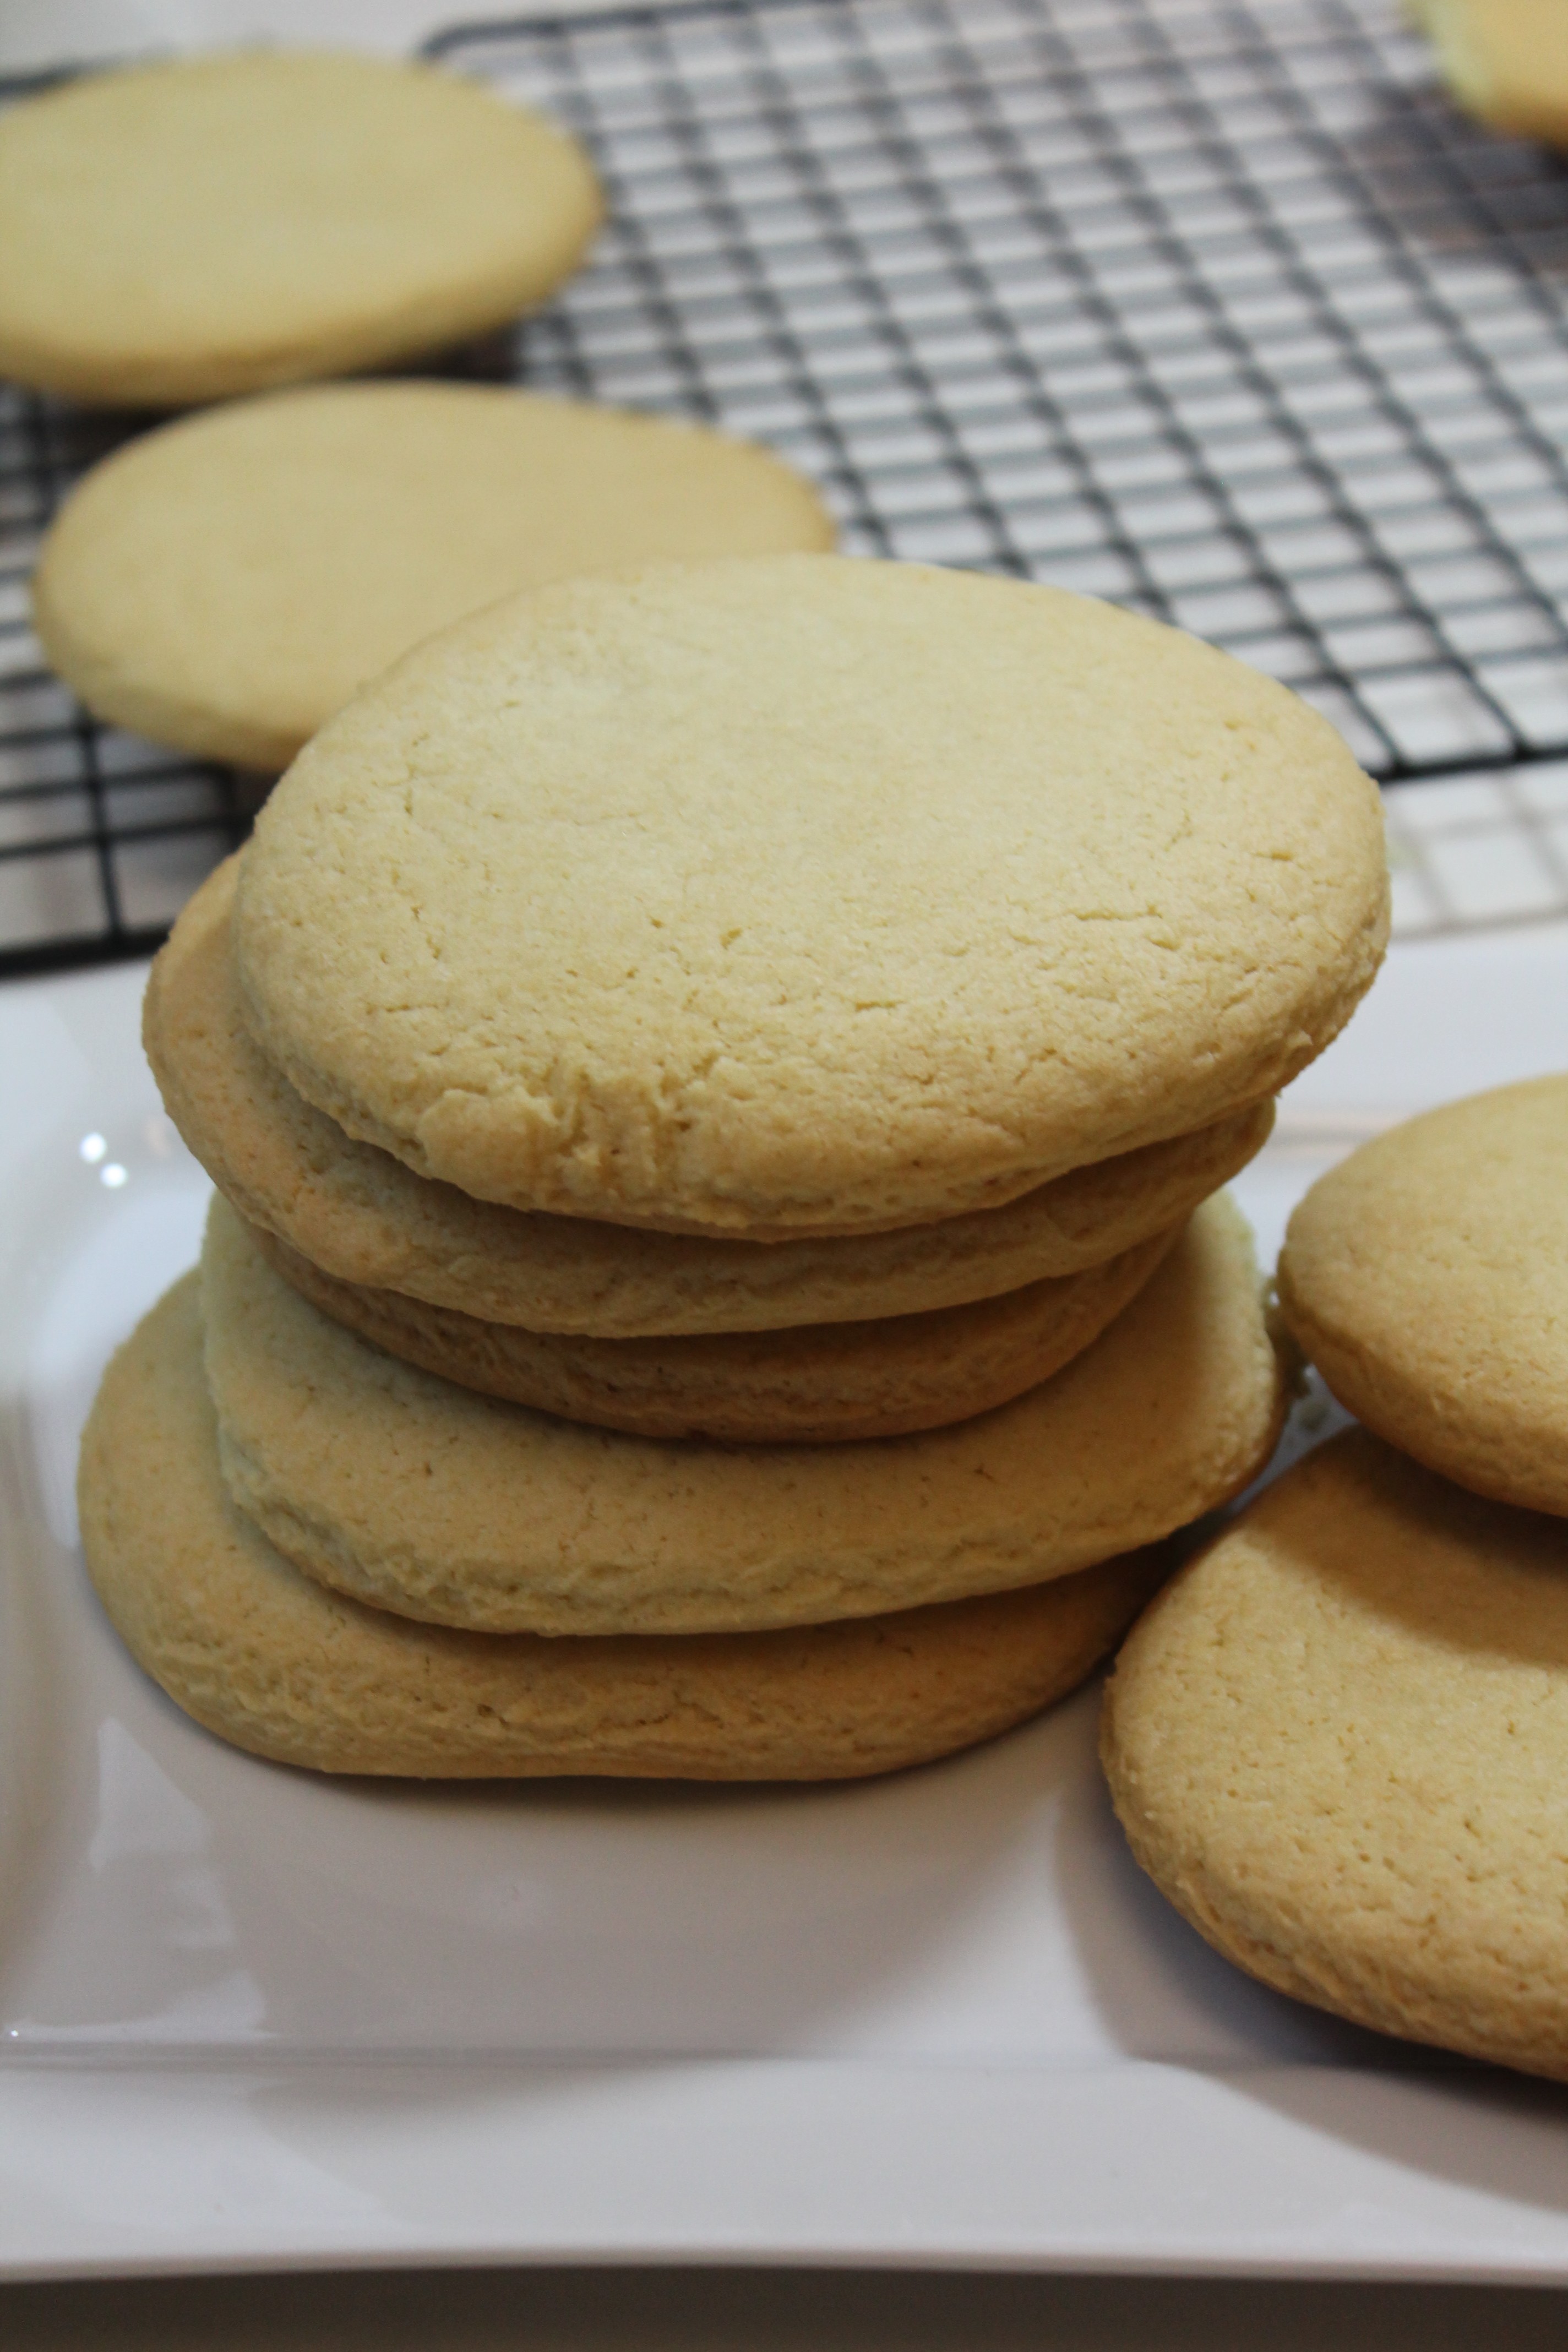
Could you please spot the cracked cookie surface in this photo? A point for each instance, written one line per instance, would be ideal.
(804, 894)
(360, 1216)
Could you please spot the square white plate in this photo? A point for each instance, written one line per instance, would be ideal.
(250, 2017)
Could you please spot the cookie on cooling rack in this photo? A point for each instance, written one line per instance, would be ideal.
(206, 226)
(1427, 1277)
(1505, 61)
(274, 1662)
(226, 584)
(800, 896)
(1337, 1744)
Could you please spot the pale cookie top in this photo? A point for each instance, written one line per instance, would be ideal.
(1506, 60)
(206, 226)
(1427, 1279)
(416, 1495)
(363, 1217)
(804, 894)
(1338, 1743)
(225, 583)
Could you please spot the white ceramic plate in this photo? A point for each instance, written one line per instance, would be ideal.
(249, 2017)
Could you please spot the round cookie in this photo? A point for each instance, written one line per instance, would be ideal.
(823, 1383)
(362, 1217)
(225, 583)
(1338, 1743)
(1427, 1277)
(801, 895)
(206, 226)
(1505, 60)
(418, 1496)
(273, 1662)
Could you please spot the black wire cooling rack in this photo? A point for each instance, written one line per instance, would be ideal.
(1213, 307)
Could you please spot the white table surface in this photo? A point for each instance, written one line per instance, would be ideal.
(637, 2310)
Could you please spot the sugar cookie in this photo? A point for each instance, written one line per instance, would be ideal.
(822, 1384)
(362, 1217)
(225, 583)
(804, 894)
(206, 226)
(1338, 1744)
(416, 1495)
(1427, 1277)
(1505, 60)
(273, 1662)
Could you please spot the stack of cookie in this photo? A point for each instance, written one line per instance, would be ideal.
(713, 1073)
(1337, 1742)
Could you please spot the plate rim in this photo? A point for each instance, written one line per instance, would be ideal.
(198, 2162)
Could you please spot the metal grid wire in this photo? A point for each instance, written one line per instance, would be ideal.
(1213, 307)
